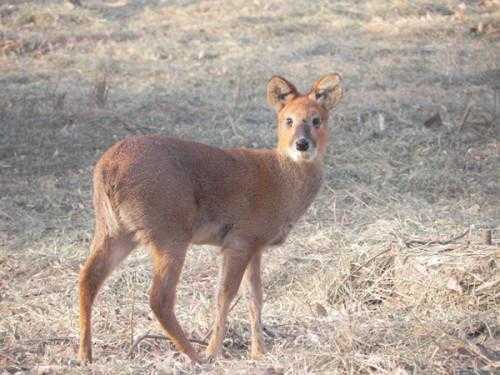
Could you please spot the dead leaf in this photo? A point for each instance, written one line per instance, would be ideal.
(434, 121)
(453, 284)
(460, 12)
(399, 371)
(46, 370)
(272, 371)
(319, 309)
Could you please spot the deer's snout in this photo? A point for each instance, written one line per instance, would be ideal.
(302, 144)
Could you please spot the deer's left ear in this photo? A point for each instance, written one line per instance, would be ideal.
(280, 92)
(327, 91)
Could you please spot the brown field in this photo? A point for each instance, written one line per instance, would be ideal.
(372, 281)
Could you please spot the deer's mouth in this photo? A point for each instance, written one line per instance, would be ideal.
(303, 155)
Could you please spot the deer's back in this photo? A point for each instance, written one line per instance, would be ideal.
(162, 184)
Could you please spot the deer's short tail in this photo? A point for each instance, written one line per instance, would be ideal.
(106, 214)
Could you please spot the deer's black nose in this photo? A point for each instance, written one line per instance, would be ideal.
(302, 144)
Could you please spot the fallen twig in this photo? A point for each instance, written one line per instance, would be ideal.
(50, 339)
(131, 128)
(452, 247)
(134, 129)
(466, 344)
(410, 243)
(390, 248)
(465, 116)
(147, 335)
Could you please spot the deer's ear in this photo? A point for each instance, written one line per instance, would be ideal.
(280, 92)
(327, 91)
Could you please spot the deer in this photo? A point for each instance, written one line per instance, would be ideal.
(166, 194)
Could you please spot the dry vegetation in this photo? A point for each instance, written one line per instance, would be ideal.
(363, 284)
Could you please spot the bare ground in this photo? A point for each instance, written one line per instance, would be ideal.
(363, 284)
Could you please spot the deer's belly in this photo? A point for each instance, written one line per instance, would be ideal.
(241, 236)
(211, 234)
(281, 236)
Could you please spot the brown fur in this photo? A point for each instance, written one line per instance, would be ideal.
(166, 194)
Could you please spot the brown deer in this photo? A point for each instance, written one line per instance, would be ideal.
(165, 194)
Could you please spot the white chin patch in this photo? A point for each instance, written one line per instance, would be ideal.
(298, 156)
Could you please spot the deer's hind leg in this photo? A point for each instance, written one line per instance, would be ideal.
(106, 253)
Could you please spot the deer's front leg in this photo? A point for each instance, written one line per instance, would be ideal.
(254, 287)
(233, 267)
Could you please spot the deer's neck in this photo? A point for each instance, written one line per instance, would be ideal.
(301, 181)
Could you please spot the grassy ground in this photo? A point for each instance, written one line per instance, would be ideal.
(349, 292)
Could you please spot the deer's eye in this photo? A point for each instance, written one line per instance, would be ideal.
(289, 122)
(316, 122)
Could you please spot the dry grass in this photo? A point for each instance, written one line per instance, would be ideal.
(347, 293)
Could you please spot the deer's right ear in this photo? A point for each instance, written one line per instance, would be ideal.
(280, 92)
